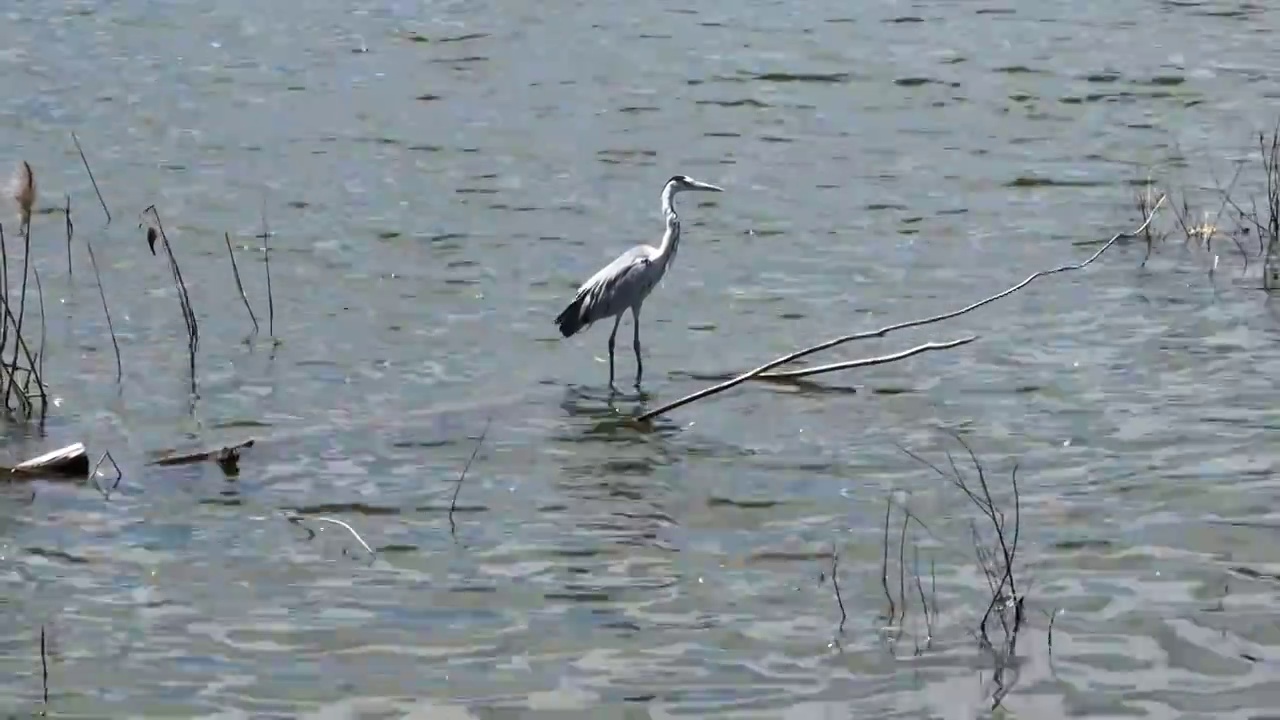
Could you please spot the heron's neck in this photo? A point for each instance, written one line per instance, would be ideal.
(671, 238)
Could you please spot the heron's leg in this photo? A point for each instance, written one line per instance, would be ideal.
(635, 343)
(613, 336)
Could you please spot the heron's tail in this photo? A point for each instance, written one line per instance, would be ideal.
(571, 319)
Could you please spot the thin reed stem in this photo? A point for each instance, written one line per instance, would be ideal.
(102, 294)
(188, 313)
(35, 271)
(93, 180)
(266, 260)
(70, 232)
(235, 270)
(22, 304)
(835, 582)
(457, 488)
(44, 666)
(4, 296)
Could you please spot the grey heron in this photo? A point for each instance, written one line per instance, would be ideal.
(625, 283)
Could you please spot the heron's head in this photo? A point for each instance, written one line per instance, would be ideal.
(680, 183)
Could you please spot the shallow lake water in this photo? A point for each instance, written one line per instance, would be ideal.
(437, 177)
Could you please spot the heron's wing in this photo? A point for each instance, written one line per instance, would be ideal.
(621, 266)
(621, 283)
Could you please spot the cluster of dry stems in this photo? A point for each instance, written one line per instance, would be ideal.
(1253, 229)
(995, 539)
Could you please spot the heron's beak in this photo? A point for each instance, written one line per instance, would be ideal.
(697, 185)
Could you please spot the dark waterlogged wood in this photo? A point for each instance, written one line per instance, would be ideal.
(227, 456)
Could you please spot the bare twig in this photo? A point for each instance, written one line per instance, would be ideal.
(235, 269)
(266, 260)
(884, 560)
(70, 231)
(924, 603)
(4, 293)
(296, 519)
(1145, 198)
(997, 565)
(22, 304)
(1053, 617)
(716, 389)
(44, 667)
(91, 178)
(1007, 602)
(93, 475)
(457, 488)
(102, 294)
(356, 535)
(902, 571)
(835, 582)
(188, 313)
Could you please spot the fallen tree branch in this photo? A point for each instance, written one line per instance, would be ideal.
(728, 384)
(865, 362)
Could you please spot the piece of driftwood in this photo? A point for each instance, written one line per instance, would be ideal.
(69, 461)
(227, 457)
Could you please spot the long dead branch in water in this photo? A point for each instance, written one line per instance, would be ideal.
(717, 389)
(865, 362)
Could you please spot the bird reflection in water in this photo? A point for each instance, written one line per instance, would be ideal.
(613, 462)
(611, 417)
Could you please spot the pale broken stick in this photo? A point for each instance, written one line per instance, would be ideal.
(296, 519)
(728, 384)
(67, 462)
